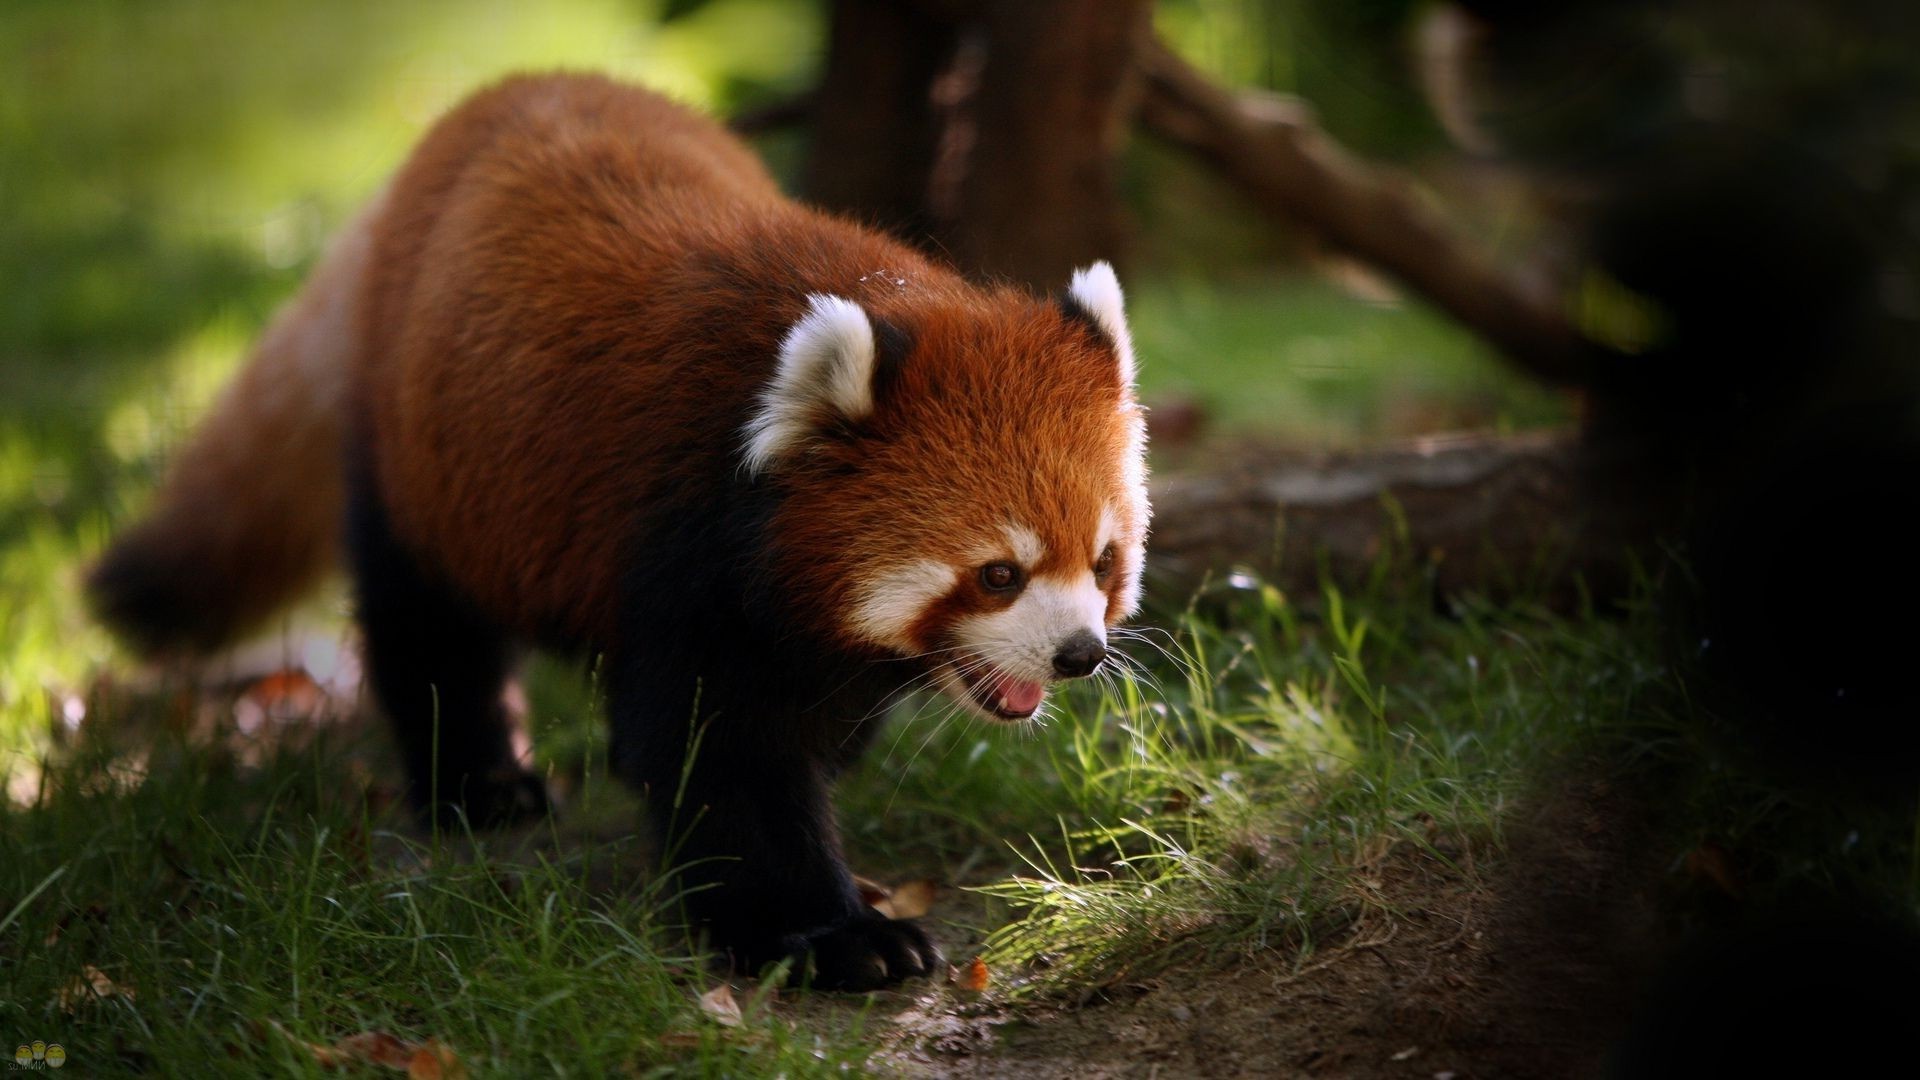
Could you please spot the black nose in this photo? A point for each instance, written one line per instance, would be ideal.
(1079, 655)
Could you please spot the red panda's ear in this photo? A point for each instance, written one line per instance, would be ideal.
(1095, 291)
(825, 374)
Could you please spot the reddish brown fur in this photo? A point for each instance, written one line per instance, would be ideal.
(249, 515)
(949, 470)
(561, 258)
(543, 273)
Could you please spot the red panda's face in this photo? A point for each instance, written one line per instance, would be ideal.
(976, 503)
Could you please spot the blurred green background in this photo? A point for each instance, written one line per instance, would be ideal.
(170, 169)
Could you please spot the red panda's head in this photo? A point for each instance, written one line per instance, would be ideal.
(964, 482)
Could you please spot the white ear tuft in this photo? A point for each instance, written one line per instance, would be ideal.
(1097, 291)
(825, 371)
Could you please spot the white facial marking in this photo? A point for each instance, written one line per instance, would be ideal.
(887, 604)
(1109, 528)
(825, 369)
(1097, 290)
(1022, 639)
(1133, 473)
(1026, 545)
(1128, 590)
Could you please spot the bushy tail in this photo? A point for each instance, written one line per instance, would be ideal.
(249, 516)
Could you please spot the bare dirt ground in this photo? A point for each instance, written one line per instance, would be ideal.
(1522, 968)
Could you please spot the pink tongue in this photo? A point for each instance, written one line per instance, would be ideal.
(1016, 696)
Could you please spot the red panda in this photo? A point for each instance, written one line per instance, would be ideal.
(604, 389)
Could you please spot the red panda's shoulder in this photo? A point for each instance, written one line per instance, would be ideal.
(576, 298)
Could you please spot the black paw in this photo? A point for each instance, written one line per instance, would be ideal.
(498, 800)
(870, 952)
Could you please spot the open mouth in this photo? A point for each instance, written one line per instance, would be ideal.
(1001, 694)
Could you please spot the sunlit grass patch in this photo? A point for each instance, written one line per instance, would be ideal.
(1250, 800)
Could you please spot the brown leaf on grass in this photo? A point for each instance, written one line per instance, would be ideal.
(89, 986)
(428, 1060)
(872, 893)
(913, 899)
(719, 1005)
(434, 1060)
(908, 901)
(973, 978)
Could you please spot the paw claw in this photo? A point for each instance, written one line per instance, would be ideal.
(869, 953)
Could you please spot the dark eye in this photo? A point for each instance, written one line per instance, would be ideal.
(999, 577)
(1104, 564)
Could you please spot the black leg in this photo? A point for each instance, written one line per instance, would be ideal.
(749, 824)
(437, 669)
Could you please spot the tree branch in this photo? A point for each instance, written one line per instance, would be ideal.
(1287, 165)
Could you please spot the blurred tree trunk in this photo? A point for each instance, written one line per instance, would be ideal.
(988, 130)
(875, 129)
(1033, 191)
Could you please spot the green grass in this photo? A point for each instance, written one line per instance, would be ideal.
(242, 909)
(1269, 758)
(1243, 797)
(1222, 804)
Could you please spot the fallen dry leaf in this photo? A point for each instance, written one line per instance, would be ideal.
(434, 1060)
(91, 984)
(428, 1060)
(909, 901)
(972, 978)
(719, 1005)
(912, 900)
(872, 893)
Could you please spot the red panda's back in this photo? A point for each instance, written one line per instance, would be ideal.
(520, 326)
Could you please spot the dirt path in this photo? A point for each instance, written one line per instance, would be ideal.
(1523, 969)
